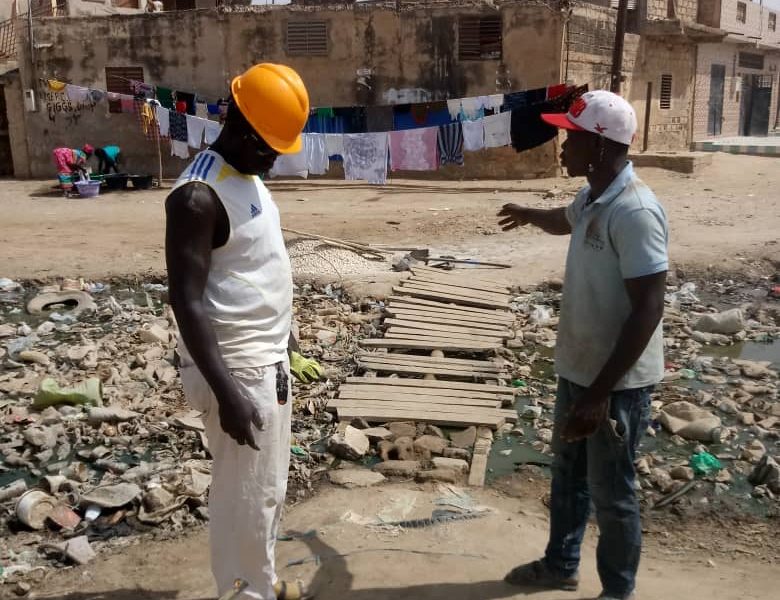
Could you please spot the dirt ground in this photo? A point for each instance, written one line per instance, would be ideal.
(727, 218)
(724, 215)
(458, 561)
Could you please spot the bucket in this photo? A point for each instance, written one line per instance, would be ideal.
(88, 189)
(116, 181)
(34, 507)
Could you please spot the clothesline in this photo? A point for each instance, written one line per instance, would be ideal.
(419, 137)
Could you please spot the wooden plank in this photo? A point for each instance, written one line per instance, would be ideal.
(465, 283)
(435, 383)
(454, 289)
(453, 363)
(502, 299)
(428, 326)
(449, 307)
(408, 344)
(441, 419)
(413, 399)
(431, 370)
(446, 318)
(411, 407)
(480, 458)
(431, 295)
(359, 391)
(471, 274)
(419, 334)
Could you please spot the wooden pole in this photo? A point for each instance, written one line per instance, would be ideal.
(617, 53)
(648, 107)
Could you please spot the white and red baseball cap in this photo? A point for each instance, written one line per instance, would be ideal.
(601, 112)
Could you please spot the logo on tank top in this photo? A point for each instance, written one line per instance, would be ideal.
(254, 211)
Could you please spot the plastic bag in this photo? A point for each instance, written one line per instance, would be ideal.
(705, 463)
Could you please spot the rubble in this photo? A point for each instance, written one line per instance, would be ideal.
(350, 445)
(352, 478)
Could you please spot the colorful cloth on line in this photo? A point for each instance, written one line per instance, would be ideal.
(163, 120)
(127, 103)
(165, 97)
(178, 126)
(316, 153)
(148, 120)
(414, 150)
(450, 141)
(334, 145)
(473, 135)
(188, 99)
(414, 116)
(76, 93)
(379, 119)
(527, 129)
(195, 128)
(497, 130)
(365, 157)
(141, 90)
(523, 99)
(180, 149)
(213, 129)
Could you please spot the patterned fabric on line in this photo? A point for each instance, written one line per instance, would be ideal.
(450, 142)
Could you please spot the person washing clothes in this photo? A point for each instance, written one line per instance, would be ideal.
(231, 290)
(609, 353)
(108, 159)
(71, 163)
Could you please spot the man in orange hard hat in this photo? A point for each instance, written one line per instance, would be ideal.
(231, 290)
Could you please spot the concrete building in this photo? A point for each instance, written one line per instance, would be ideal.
(354, 54)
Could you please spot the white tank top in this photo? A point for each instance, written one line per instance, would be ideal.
(248, 295)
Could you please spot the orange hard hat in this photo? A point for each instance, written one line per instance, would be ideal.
(274, 100)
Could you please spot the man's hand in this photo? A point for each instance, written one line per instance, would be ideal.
(305, 370)
(516, 216)
(237, 415)
(586, 416)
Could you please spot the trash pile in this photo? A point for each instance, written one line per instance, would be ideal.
(97, 445)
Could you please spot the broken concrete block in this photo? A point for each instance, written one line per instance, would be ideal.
(689, 421)
(460, 453)
(154, 334)
(355, 478)
(403, 429)
(465, 438)
(78, 550)
(682, 473)
(727, 323)
(33, 356)
(753, 452)
(404, 449)
(429, 445)
(350, 445)
(377, 434)
(766, 472)
(440, 475)
(398, 468)
(40, 437)
(454, 464)
(111, 496)
(110, 414)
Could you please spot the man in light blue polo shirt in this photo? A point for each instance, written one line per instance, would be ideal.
(609, 353)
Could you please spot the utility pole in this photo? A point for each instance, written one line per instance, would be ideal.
(617, 51)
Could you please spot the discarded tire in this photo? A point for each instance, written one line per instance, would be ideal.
(73, 300)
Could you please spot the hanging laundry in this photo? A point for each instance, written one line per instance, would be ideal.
(200, 110)
(473, 135)
(165, 97)
(178, 126)
(188, 99)
(127, 103)
(334, 145)
(414, 149)
(195, 129)
(325, 112)
(354, 118)
(141, 89)
(96, 96)
(522, 99)
(527, 128)
(316, 153)
(379, 118)
(56, 86)
(213, 129)
(454, 108)
(324, 124)
(148, 119)
(212, 109)
(365, 157)
(450, 142)
(497, 130)
(470, 109)
(180, 149)
(76, 93)
(181, 107)
(495, 102)
(556, 90)
(163, 120)
(290, 165)
(414, 116)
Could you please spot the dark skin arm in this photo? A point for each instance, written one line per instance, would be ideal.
(647, 308)
(195, 224)
(552, 221)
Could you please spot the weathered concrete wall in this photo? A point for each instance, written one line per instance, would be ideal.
(728, 55)
(416, 49)
(14, 104)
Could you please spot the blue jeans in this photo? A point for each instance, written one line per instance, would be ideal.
(601, 469)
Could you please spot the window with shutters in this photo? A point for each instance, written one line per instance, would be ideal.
(741, 12)
(480, 38)
(118, 82)
(772, 22)
(126, 3)
(666, 92)
(307, 38)
(749, 60)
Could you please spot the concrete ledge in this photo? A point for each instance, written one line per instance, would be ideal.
(682, 162)
(763, 150)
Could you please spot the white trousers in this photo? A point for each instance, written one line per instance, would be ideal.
(248, 487)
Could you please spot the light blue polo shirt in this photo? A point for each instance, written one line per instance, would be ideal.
(621, 235)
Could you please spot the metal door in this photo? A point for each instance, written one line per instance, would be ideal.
(717, 86)
(759, 109)
(6, 159)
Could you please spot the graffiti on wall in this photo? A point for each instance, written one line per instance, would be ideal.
(59, 105)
